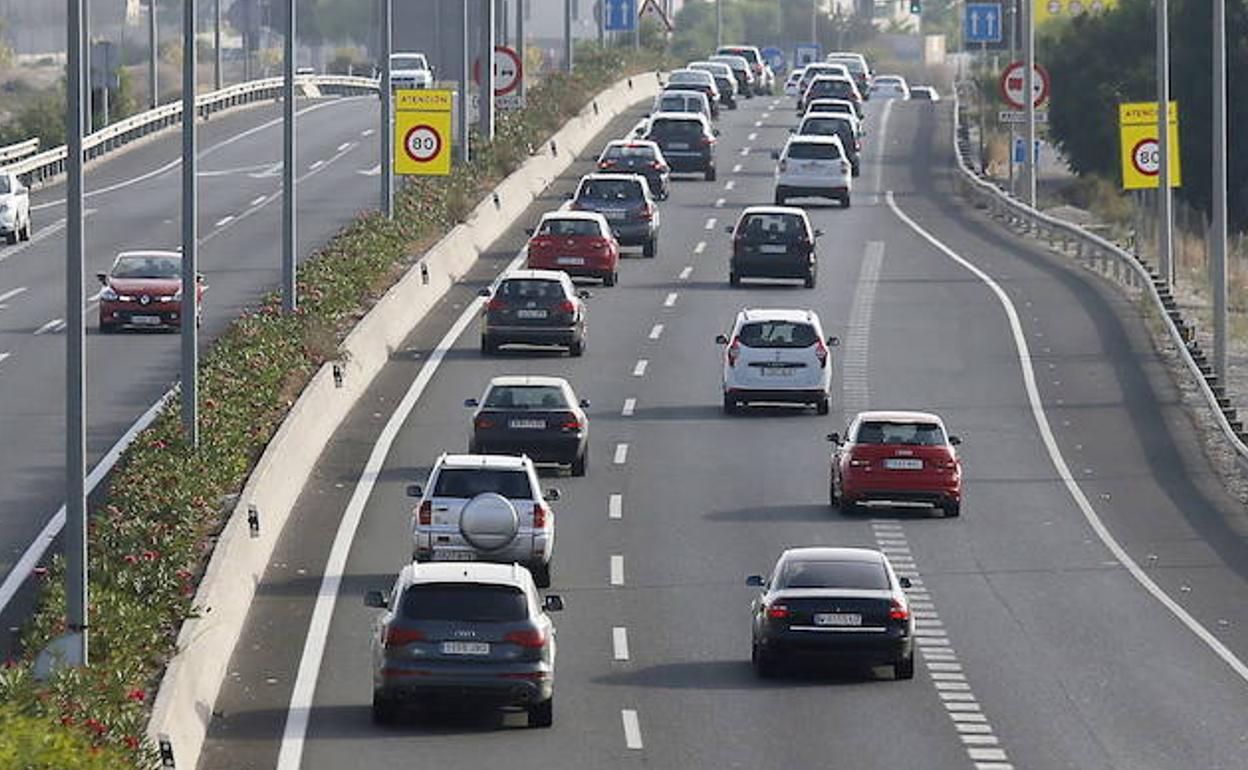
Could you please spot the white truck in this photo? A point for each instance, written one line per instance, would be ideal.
(410, 70)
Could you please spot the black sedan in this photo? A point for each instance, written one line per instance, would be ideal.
(532, 415)
(833, 605)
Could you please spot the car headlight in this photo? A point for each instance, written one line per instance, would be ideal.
(4, 207)
(108, 294)
(175, 297)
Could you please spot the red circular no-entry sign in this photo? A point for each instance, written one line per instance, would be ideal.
(1013, 81)
(507, 70)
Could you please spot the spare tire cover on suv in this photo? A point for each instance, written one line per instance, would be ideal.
(489, 521)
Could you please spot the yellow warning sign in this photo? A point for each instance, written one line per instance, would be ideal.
(1065, 9)
(422, 132)
(1140, 149)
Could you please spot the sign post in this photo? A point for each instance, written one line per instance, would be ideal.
(423, 132)
(1141, 151)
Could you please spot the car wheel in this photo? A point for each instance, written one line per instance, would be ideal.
(734, 279)
(488, 346)
(649, 247)
(26, 231)
(541, 575)
(577, 348)
(710, 174)
(107, 328)
(543, 714)
(580, 463)
(857, 171)
(810, 280)
(764, 664)
(953, 510)
(731, 405)
(845, 201)
(384, 710)
(822, 406)
(904, 668)
(610, 278)
(11, 237)
(779, 198)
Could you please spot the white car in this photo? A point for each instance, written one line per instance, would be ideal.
(14, 208)
(777, 356)
(410, 70)
(830, 104)
(813, 166)
(790, 84)
(924, 93)
(821, 69)
(890, 87)
(485, 508)
(676, 101)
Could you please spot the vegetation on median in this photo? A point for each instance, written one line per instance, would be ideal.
(153, 527)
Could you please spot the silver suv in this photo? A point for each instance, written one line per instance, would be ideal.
(485, 508)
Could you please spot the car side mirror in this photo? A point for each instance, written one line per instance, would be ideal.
(834, 341)
(818, 233)
(775, 155)
(552, 495)
(567, 196)
(792, 130)
(102, 278)
(376, 599)
(728, 229)
(834, 438)
(584, 403)
(721, 339)
(199, 277)
(415, 490)
(530, 230)
(955, 441)
(483, 293)
(584, 294)
(471, 402)
(904, 582)
(552, 603)
(716, 132)
(755, 581)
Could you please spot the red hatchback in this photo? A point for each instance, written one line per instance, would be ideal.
(902, 457)
(143, 289)
(579, 243)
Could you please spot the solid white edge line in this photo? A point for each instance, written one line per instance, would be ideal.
(1059, 462)
(619, 643)
(617, 570)
(300, 710)
(615, 506)
(632, 729)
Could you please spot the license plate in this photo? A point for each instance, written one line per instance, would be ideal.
(838, 619)
(454, 556)
(678, 146)
(903, 464)
(771, 248)
(465, 648)
(778, 371)
(614, 214)
(570, 261)
(145, 320)
(527, 424)
(530, 314)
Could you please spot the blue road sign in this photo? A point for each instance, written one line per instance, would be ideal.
(1020, 150)
(806, 53)
(983, 23)
(774, 58)
(621, 15)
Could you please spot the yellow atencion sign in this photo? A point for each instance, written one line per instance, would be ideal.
(1065, 9)
(422, 131)
(1141, 152)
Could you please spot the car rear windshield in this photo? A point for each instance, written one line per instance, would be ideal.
(779, 227)
(465, 603)
(777, 334)
(147, 267)
(814, 151)
(689, 130)
(806, 573)
(689, 76)
(827, 127)
(853, 65)
(734, 63)
(569, 227)
(408, 63)
(643, 151)
(526, 397)
(470, 482)
(909, 433)
(745, 53)
(832, 87)
(531, 288)
(611, 189)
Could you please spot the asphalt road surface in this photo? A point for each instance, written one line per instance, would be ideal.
(133, 201)
(1039, 647)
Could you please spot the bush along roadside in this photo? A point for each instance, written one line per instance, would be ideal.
(152, 529)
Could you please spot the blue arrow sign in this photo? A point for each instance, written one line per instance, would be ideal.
(983, 23)
(774, 58)
(621, 16)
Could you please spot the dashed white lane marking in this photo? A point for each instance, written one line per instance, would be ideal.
(700, 246)
(615, 507)
(11, 293)
(736, 169)
(668, 302)
(617, 569)
(768, 114)
(632, 729)
(345, 146)
(367, 132)
(685, 272)
(55, 325)
(370, 171)
(316, 165)
(4, 356)
(730, 184)
(259, 201)
(758, 124)
(710, 225)
(640, 369)
(630, 404)
(745, 151)
(621, 454)
(1041, 418)
(719, 203)
(619, 643)
(856, 364)
(222, 222)
(656, 331)
(753, 135)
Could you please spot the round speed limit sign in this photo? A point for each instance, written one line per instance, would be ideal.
(423, 143)
(1146, 157)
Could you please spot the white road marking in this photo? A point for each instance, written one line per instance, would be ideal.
(619, 643)
(685, 272)
(632, 729)
(719, 203)
(1076, 492)
(630, 404)
(224, 221)
(615, 506)
(318, 164)
(366, 132)
(758, 124)
(668, 302)
(768, 114)
(753, 135)
(617, 570)
(621, 454)
(41, 234)
(736, 169)
(640, 369)
(300, 709)
(700, 246)
(371, 171)
(272, 170)
(345, 146)
(4, 356)
(656, 331)
(879, 153)
(745, 151)
(731, 183)
(259, 201)
(710, 225)
(11, 293)
(55, 325)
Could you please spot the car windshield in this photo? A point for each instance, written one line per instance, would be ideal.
(526, 397)
(408, 63)
(531, 288)
(641, 151)
(814, 151)
(772, 227)
(827, 127)
(836, 87)
(147, 267)
(678, 104)
(804, 573)
(908, 433)
(689, 130)
(611, 189)
(777, 334)
(470, 482)
(853, 65)
(569, 227)
(459, 602)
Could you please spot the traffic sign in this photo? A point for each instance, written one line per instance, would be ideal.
(422, 122)
(1046, 10)
(1020, 151)
(1141, 151)
(1020, 116)
(806, 53)
(621, 15)
(1013, 81)
(508, 70)
(774, 58)
(983, 23)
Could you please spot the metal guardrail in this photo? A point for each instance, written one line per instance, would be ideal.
(12, 152)
(1129, 268)
(45, 165)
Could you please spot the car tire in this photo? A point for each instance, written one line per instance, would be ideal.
(857, 171)
(780, 198)
(384, 710)
(764, 664)
(952, 510)
(26, 231)
(107, 328)
(581, 463)
(649, 248)
(809, 282)
(11, 238)
(541, 575)
(710, 174)
(488, 346)
(845, 201)
(904, 668)
(577, 348)
(822, 406)
(610, 278)
(731, 405)
(542, 714)
(734, 280)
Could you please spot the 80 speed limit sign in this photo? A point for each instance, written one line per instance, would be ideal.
(422, 132)
(422, 143)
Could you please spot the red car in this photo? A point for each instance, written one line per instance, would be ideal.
(143, 289)
(896, 457)
(579, 243)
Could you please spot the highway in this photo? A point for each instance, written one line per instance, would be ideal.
(133, 202)
(1089, 619)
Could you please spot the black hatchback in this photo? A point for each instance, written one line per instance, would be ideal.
(532, 415)
(687, 141)
(534, 307)
(773, 242)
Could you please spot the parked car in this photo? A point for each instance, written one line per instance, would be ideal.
(763, 81)
(844, 127)
(534, 307)
(410, 70)
(742, 72)
(924, 94)
(896, 457)
(14, 208)
(677, 99)
(639, 156)
(725, 81)
(792, 81)
(890, 87)
(859, 68)
(687, 140)
(579, 243)
(539, 417)
(824, 87)
(832, 605)
(697, 80)
(777, 356)
(625, 200)
(485, 508)
(813, 166)
(773, 242)
(143, 290)
(473, 632)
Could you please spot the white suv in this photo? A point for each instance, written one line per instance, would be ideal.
(410, 70)
(485, 508)
(777, 356)
(14, 208)
(813, 166)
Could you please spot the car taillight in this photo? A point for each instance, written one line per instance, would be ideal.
(570, 423)
(496, 304)
(541, 515)
(601, 243)
(898, 611)
(606, 163)
(424, 515)
(844, 167)
(777, 611)
(567, 306)
(821, 352)
(484, 423)
(401, 637)
(529, 637)
(574, 206)
(657, 166)
(784, 164)
(707, 141)
(647, 213)
(734, 351)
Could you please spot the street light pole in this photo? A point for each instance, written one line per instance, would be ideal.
(567, 35)
(152, 56)
(1029, 98)
(485, 95)
(1217, 235)
(387, 107)
(289, 300)
(465, 78)
(520, 44)
(216, 46)
(1165, 235)
(719, 24)
(190, 230)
